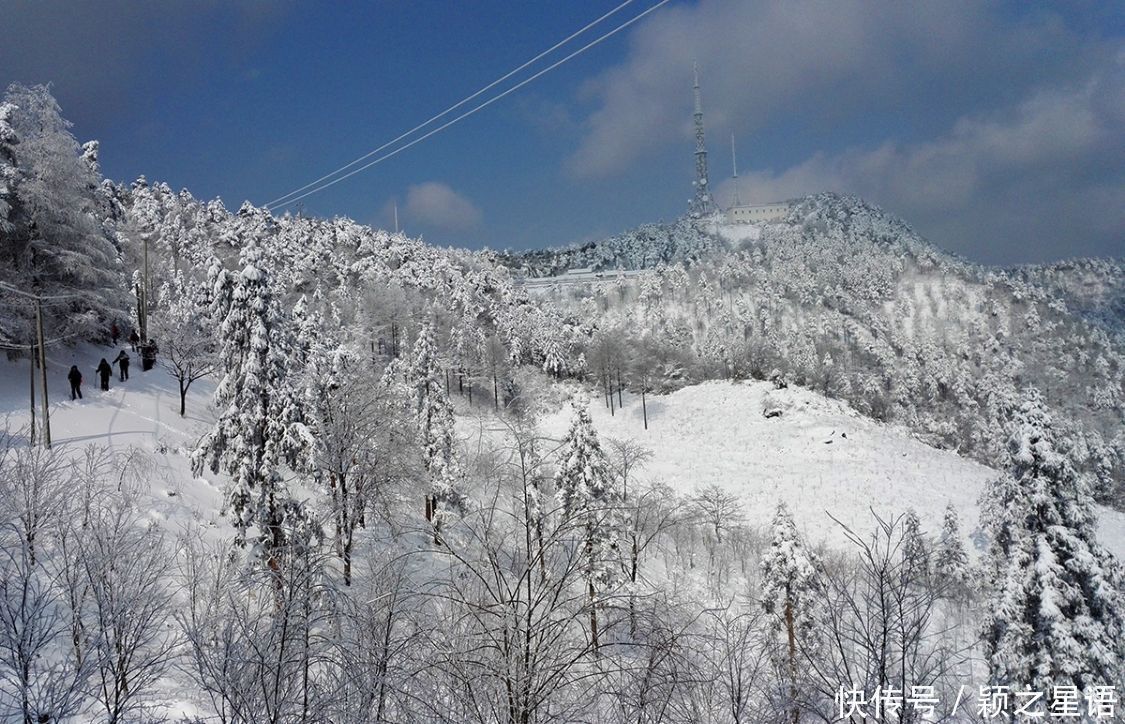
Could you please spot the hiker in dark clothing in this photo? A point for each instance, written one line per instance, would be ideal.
(114, 333)
(75, 378)
(148, 355)
(134, 338)
(104, 371)
(122, 361)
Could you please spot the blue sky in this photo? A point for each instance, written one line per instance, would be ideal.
(997, 130)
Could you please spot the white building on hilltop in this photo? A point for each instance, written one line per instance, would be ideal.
(756, 213)
(737, 212)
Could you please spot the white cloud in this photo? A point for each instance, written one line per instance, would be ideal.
(813, 62)
(1037, 181)
(436, 204)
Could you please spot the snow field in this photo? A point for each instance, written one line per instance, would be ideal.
(141, 414)
(820, 457)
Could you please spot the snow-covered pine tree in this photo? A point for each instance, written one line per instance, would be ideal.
(552, 354)
(8, 171)
(915, 551)
(55, 242)
(10, 175)
(951, 561)
(433, 415)
(591, 504)
(259, 427)
(791, 590)
(1055, 615)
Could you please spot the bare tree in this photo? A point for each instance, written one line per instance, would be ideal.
(36, 684)
(255, 636)
(718, 509)
(516, 599)
(378, 646)
(361, 443)
(733, 654)
(37, 679)
(883, 628)
(127, 607)
(188, 343)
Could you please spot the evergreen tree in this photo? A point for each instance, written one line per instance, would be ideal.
(433, 416)
(951, 561)
(790, 591)
(552, 355)
(9, 173)
(915, 551)
(1055, 613)
(260, 425)
(55, 241)
(591, 503)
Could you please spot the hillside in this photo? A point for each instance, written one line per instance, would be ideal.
(819, 457)
(377, 505)
(845, 298)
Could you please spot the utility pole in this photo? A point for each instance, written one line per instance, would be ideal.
(31, 439)
(144, 292)
(734, 165)
(38, 353)
(43, 370)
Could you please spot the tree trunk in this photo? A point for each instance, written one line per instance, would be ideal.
(348, 560)
(644, 407)
(789, 628)
(593, 618)
(183, 397)
(31, 439)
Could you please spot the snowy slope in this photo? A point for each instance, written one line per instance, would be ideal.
(819, 457)
(141, 414)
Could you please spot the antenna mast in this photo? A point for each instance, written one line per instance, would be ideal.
(734, 165)
(701, 204)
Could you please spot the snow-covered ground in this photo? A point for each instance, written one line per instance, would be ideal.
(142, 414)
(736, 233)
(819, 457)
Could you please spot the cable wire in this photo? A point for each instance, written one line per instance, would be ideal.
(466, 114)
(455, 106)
(40, 297)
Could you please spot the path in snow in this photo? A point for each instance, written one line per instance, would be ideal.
(139, 414)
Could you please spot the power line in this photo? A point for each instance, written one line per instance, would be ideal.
(447, 111)
(42, 298)
(49, 342)
(468, 113)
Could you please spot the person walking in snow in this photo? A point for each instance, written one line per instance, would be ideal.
(134, 338)
(75, 378)
(122, 361)
(114, 333)
(104, 371)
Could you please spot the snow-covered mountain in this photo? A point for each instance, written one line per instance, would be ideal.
(848, 299)
(352, 487)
